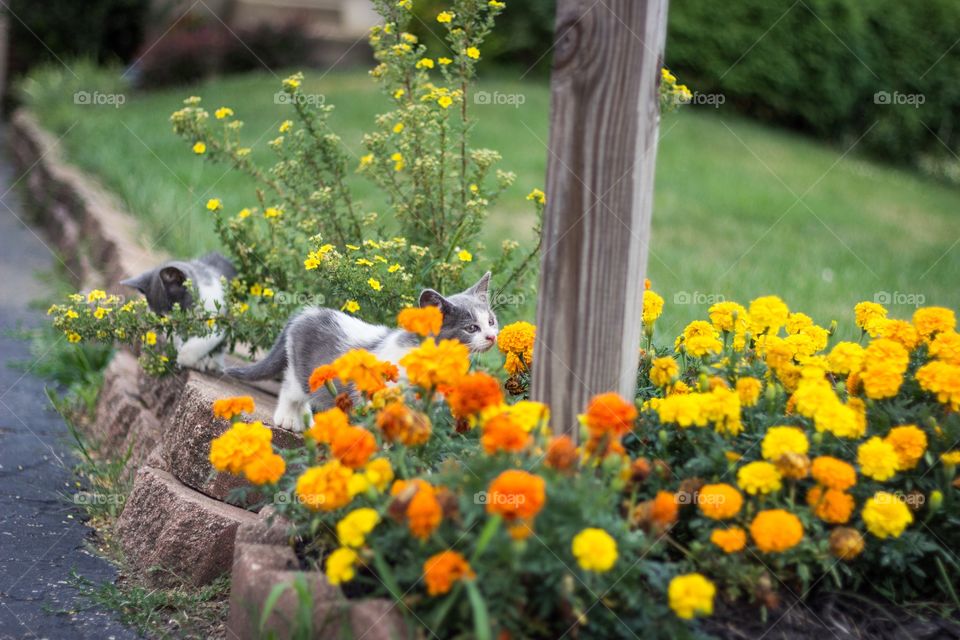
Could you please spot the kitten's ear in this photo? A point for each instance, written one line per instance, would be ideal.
(481, 288)
(141, 282)
(430, 298)
(172, 277)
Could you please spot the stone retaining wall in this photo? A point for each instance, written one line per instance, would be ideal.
(176, 527)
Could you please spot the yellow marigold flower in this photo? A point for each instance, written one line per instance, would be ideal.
(868, 316)
(325, 488)
(227, 408)
(899, 331)
(472, 52)
(595, 550)
(353, 528)
(425, 321)
(727, 316)
(930, 321)
(719, 501)
(375, 284)
(442, 570)
(946, 347)
(663, 371)
(265, 469)
(846, 543)
(877, 459)
(797, 322)
(432, 364)
(517, 340)
(223, 112)
(464, 256)
(830, 505)
(776, 530)
(729, 540)
(652, 308)
(767, 314)
(425, 63)
(446, 17)
(951, 457)
(749, 391)
(942, 380)
(341, 566)
(833, 473)
(199, 147)
(885, 361)
(700, 339)
(886, 515)
(368, 373)
(759, 477)
(239, 445)
(845, 358)
(683, 409)
(350, 306)
(910, 443)
(781, 440)
(214, 204)
(379, 473)
(150, 338)
(691, 595)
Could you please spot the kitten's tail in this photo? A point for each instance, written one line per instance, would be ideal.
(270, 367)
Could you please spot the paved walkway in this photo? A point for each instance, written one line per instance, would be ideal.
(41, 536)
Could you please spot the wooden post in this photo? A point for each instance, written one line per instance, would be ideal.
(603, 140)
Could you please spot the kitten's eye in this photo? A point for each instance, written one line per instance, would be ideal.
(493, 321)
(473, 328)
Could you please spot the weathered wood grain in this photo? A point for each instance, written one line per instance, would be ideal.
(603, 139)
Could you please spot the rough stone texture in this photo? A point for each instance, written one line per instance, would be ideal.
(263, 530)
(183, 534)
(122, 422)
(257, 568)
(187, 435)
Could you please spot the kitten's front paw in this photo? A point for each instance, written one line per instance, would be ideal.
(291, 420)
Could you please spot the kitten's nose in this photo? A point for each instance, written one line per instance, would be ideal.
(491, 339)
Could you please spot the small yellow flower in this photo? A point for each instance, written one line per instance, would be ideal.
(214, 204)
(73, 337)
(537, 196)
(397, 128)
(293, 82)
(473, 52)
(374, 284)
(366, 161)
(444, 61)
(425, 63)
(199, 148)
(464, 256)
(273, 212)
(150, 338)
(399, 93)
(394, 268)
(445, 17)
(243, 213)
(96, 294)
(223, 112)
(398, 162)
(445, 101)
(286, 126)
(350, 306)
(496, 4)
(256, 289)
(267, 292)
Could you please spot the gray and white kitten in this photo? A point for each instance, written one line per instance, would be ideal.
(165, 286)
(318, 336)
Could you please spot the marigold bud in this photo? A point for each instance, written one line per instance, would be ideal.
(936, 500)
(344, 402)
(795, 466)
(846, 543)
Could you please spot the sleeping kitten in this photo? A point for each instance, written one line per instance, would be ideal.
(319, 336)
(165, 286)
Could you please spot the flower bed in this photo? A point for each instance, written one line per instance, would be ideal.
(758, 460)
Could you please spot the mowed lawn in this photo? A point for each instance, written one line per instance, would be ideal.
(741, 210)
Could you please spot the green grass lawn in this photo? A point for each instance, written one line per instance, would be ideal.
(741, 210)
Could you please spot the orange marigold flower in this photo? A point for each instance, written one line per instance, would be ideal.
(327, 424)
(267, 469)
(899, 331)
(516, 494)
(729, 540)
(321, 376)
(442, 570)
(943, 380)
(399, 423)
(367, 373)
(930, 321)
(561, 453)
(776, 530)
(473, 393)
(833, 473)
(431, 365)
(884, 363)
(425, 321)
(608, 413)
(831, 505)
(325, 488)
(227, 408)
(664, 509)
(515, 341)
(353, 446)
(424, 512)
(910, 444)
(719, 501)
(946, 347)
(239, 445)
(503, 433)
